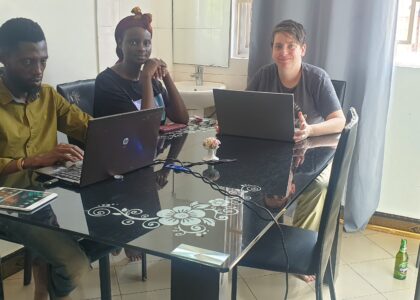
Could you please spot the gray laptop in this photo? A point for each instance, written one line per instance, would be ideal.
(255, 114)
(115, 145)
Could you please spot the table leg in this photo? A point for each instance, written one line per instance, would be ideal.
(191, 280)
(105, 278)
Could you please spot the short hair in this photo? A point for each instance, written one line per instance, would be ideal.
(292, 28)
(17, 30)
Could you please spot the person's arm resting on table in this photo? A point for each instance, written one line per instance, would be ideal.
(334, 123)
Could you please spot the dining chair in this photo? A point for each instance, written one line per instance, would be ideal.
(81, 93)
(309, 252)
(340, 90)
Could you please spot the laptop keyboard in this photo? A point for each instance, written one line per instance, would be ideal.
(73, 173)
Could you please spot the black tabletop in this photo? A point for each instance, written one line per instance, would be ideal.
(157, 209)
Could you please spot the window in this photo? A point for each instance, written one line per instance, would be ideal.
(408, 34)
(241, 28)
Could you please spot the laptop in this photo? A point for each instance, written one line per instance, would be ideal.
(115, 145)
(255, 114)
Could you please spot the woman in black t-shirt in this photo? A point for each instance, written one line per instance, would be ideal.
(133, 83)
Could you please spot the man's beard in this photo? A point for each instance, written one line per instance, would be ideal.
(22, 86)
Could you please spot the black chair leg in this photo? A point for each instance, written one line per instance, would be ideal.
(330, 278)
(318, 287)
(1, 283)
(143, 266)
(27, 267)
(234, 282)
(105, 277)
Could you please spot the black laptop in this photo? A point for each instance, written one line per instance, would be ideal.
(115, 145)
(255, 114)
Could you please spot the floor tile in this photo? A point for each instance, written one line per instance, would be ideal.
(273, 287)
(379, 274)
(90, 287)
(129, 277)
(352, 234)
(154, 295)
(244, 292)
(18, 275)
(326, 295)
(246, 272)
(122, 260)
(369, 232)
(399, 295)
(349, 284)
(14, 289)
(391, 243)
(369, 297)
(366, 250)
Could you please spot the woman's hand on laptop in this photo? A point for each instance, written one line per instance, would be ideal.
(61, 153)
(304, 130)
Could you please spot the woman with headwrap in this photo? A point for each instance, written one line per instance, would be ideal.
(133, 83)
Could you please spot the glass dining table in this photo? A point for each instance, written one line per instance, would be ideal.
(204, 217)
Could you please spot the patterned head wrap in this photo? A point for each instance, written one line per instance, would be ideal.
(136, 20)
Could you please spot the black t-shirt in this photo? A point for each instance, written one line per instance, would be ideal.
(114, 94)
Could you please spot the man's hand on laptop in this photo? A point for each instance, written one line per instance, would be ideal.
(61, 153)
(304, 130)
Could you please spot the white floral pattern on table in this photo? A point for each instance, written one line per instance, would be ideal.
(192, 219)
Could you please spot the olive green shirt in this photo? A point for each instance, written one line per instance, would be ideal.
(28, 129)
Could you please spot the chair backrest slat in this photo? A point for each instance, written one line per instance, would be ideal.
(81, 93)
(340, 90)
(336, 190)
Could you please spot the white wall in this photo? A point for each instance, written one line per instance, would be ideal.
(400, 193)
(70, 30)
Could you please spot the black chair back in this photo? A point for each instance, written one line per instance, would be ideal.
(340, 90)
(81, 93)
(336, 191)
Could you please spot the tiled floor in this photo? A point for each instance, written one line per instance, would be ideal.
(365, 273)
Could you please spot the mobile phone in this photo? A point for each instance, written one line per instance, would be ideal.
(23, 200)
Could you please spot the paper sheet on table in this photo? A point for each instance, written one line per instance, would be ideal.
(200, 254)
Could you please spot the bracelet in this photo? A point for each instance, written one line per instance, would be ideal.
(20, 163)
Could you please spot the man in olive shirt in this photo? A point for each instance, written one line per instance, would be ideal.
(30, 115)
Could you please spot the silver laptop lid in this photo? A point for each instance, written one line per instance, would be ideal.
(255, 114)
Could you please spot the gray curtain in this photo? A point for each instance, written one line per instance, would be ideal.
(353, 41)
